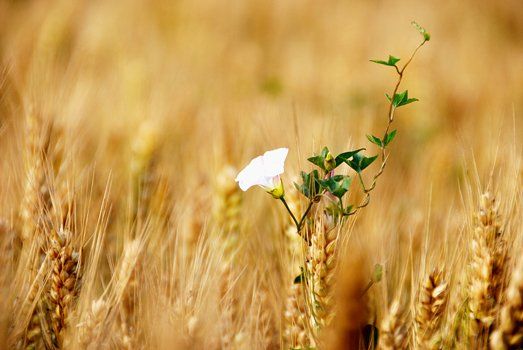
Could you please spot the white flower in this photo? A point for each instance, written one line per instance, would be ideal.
(265, 171)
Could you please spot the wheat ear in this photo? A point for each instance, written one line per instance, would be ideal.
(227, 202)
(394, 331)
(323, 268)
(34, 151)
(91, 329)
(432, 300)
(124, 288)
(295, 331)
(295, 316)
(64, 280)
(509, 332)
(142, 167)
(487, 266)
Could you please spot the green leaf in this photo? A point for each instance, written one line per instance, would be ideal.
(409, 100)
(318, 161)
(390, 62)
(401, 99)
(365, 162)
(344, 186)
(389, 137)
(338, 185)
(393, 60)
(359, 162)
(309, 186)
(343, 157)
(385, 63)
(426, 35)
(375, 140)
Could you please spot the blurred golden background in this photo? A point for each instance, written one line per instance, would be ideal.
(215, 83)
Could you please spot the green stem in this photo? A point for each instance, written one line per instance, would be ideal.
(362, 183)
(384, 155)
(300, 224)
(290, 212)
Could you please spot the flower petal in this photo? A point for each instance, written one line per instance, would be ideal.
(269, 183)
(274, 161)
(251, 174)
(263, 170)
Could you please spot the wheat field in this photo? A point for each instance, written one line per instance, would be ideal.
(124, 125)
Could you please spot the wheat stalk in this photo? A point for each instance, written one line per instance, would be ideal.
(393, 331)
(227, 200)
(268, 331)
(7, 256)
(323, 268)
(486, 269)
(64, 280)
(432, 300)
(509, 331)
(142, 168)
(34, 152)
(295, 316)
(226, 208)
(90, 330)
(295, 332)
(33, 333)
(30, 321)
(124, 290)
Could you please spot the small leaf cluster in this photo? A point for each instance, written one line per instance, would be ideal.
(390, 62)
(421, 30)
(401, 99)
(309, 186)
(382, 143)
(325, 180)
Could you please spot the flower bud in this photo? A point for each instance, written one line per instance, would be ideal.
(329, 162)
